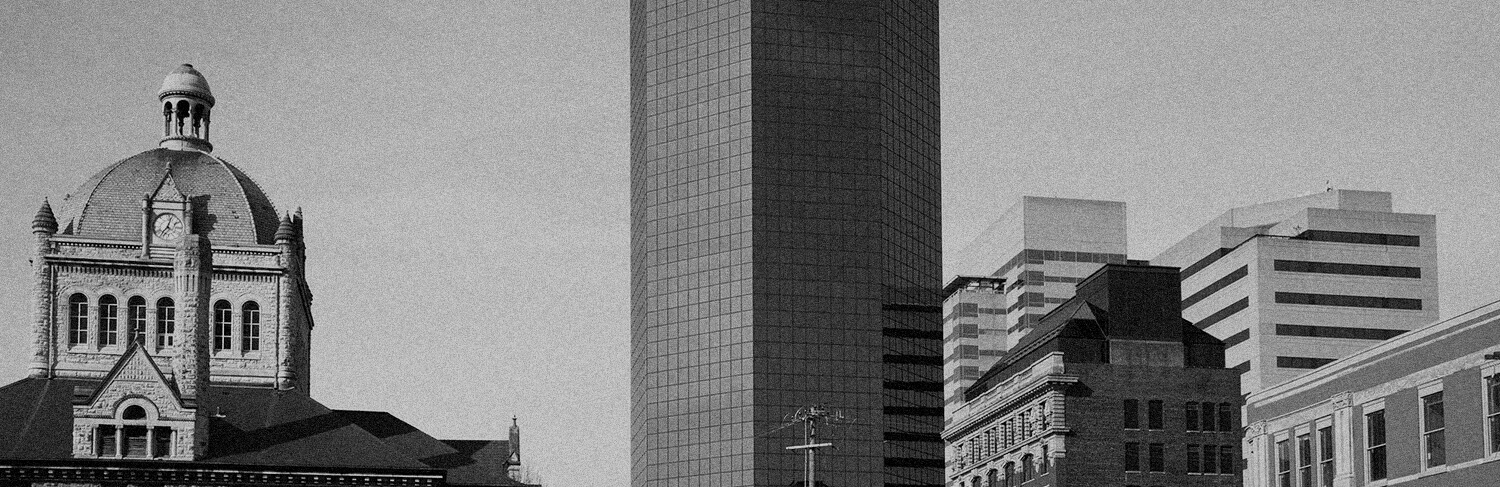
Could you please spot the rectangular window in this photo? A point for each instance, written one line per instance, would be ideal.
(1301, 362)
(1361, 238)
(1154, 415)
(1433, 446)
(1492, 388)
(1380, 302)
(1208, 417)
(1348, 269)
(1132, 411)
(1132, 457)
(163, 439)
(136, 312)
(1191, 416)
(1227, 460)
(1192, 459)
(1375, 444)
(1156, 454)
(1284, 463)
(107, 445)
(1226, 417)
(1304, 460)
(1351, 333)
(1210, 459)
(250, 328)
(1325, 456)
(109, 322)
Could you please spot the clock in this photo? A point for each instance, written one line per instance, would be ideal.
(167, 226)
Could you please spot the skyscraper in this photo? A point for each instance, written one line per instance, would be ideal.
(785, 240)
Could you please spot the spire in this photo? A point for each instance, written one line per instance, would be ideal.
(44, 222)
(285, 232)
(186, 105)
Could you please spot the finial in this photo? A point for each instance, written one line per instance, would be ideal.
(45, 221)
(513, 420)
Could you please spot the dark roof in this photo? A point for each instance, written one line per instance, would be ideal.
(108, 205)
(260, 426)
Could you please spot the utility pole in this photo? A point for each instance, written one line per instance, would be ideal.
(809, 417)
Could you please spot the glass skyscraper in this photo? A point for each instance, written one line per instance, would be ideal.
(785, 241)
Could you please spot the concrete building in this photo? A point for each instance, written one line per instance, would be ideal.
(1039, 250)
(172, 324)
(974, 336)
(1294, 284)
(1112, 389)
(1421, 409)
(785, 240)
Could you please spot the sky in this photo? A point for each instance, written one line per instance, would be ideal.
(463, 167)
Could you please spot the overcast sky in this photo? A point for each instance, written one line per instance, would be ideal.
(463, 166)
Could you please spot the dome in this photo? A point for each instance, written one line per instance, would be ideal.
(108, 205)
(186, 81)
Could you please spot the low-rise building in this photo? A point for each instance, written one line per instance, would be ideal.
(1420, 410)
(1113, 388)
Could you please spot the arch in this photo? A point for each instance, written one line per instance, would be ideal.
(135, 319)
(1010, 474)
(223, 326)
(992, 478)
(109, 321)
(133, 411)
(1028, 463)
(78, 319)
(166, 323)
(250, 327)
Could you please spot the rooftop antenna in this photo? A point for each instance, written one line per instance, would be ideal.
(1329, 184)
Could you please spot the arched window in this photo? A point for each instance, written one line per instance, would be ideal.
(1010, 474)
(250, 327)
(135, 313)
(78, 319)
(1041, 467)
(992, 478)
(166, 323)
(1027, 463)
(974, 481)
(223, 326)
(132, 436)
(109, 321)
(133, 412)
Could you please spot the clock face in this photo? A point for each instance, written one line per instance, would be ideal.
(167, 226)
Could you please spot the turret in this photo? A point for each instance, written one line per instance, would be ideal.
(186, 104)
(286, 334)
(43, 226)
(514, 458)
(193, 270)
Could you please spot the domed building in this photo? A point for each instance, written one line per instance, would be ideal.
(171, 329)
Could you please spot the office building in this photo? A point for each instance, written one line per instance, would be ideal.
(1113, 388)
(1039, 250)
(172, 323)
(785, 240)
(1421, 409)
(1294, 284)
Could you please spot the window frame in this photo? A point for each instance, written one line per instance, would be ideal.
(1190, 416)
(78, 320)
(222, 339)
(1156, 415)
(1305, 457)
(1430, 400)
(108, 320)
(250, 331)
(1283, 461)
(1131, 411)
(1327, 453)
(1156, 457)
(166, 323)
(136, 318)
(1132, 456)
(1489, 390)
(1373, 416)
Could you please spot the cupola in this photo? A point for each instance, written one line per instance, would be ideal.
(186, 105)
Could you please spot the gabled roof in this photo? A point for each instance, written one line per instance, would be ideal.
(135, 364)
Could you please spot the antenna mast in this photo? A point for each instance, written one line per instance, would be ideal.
(809, 417)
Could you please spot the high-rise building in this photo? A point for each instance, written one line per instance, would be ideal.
(785, 240)
(1037, 251)
(1043, 247)
(1333, 273)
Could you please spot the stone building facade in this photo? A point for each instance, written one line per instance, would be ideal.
(1113, 388)
(171, 339)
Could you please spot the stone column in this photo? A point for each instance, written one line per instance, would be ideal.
(1256, 451)
(1343, 439)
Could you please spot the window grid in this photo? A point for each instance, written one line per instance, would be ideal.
(1492, 411)
(1433, 446)
(250, 327)
(1325, 456)
(135, 313)
(223, 326)
(109, 321)
(1284, 463)
(1375, 444)
(78, 320)
(166, 323)
(1304, 460)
